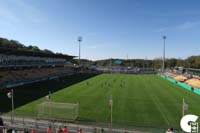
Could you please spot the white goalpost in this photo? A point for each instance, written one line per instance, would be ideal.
(58, 111)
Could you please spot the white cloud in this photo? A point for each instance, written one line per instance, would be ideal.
(188, 25)
(22, 11)
(95, 46)
(98, 45)
(92, 47)
(91, 34)
(184, 26)
(8, 15)
(161, 29)
(31, 13)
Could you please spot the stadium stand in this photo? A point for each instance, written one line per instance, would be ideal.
(28, 74)
(14, 54)
(193, 82)
(20, 64)
(29, 61)
(181, 78)
(125, 70)
(187, 78)
(170, 74)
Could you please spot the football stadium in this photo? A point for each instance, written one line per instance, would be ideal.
(51, 88)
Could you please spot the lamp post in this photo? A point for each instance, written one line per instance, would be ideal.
(79, 57)
(163, 65)
(11, 96)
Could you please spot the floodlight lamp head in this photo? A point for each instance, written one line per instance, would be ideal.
(164, 37)
(80, 38)
(9, 95)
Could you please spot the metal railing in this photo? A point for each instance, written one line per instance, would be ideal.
(32, 122)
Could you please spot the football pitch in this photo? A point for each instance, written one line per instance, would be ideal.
(138, 100)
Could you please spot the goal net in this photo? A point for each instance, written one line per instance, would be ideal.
(58, 111)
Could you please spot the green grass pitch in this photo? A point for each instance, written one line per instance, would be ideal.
(141, 100)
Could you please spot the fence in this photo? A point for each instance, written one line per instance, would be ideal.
(27, 124)
(185, 86)
(197, 91)
(171, 80)
(94, 123)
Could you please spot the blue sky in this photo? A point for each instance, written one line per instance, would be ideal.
(110, 28)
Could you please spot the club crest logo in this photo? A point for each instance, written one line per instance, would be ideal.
(188, 123)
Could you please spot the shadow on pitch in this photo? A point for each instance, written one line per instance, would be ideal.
(27, 93)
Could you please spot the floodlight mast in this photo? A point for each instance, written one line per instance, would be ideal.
(79, 57)
(163, 65)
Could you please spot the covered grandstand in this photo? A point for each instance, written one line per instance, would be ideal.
(21, 65)
(19, 58)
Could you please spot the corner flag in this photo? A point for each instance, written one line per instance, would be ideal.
(111, 101)
(48, 97)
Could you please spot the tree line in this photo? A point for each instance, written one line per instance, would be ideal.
(17, 48)
(190, 62)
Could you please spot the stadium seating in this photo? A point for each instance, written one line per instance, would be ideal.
(29, 74)
(170, 74)
(180, 78)
(186, 81)
(193, 82)
(13, 60)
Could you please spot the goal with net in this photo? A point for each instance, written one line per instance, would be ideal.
(58, 111)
